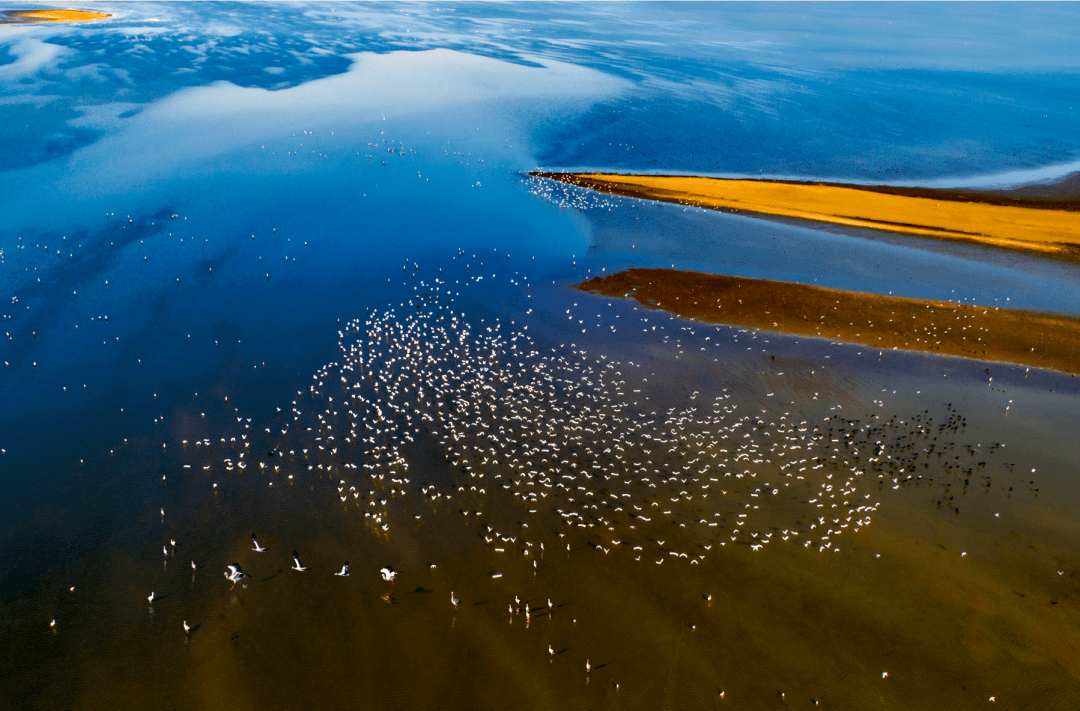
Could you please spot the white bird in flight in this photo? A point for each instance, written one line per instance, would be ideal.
(344, 571)
(234, 573)
(296, 560)
(257, 548)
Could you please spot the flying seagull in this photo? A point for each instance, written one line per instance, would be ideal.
(257, 548)
(388, 574)
(344, 571)
(296, 559)
(235, 574)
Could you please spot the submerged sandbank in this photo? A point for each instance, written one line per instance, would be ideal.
(882, 322)
(1046, 226)
(28, 16)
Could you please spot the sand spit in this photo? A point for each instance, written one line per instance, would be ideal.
(1030, 224)
(1060, 194)
(29, 16)
(880, 322)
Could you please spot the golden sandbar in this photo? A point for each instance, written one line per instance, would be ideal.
(881, 322)
(27, 16)
(1047, 227)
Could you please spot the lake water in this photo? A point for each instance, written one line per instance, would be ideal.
(281, 269)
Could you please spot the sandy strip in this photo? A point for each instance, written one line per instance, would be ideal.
(27, 16)
(1040, 226)
(880, 322)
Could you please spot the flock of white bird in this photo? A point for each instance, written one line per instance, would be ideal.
(545, 449)
(559, 436)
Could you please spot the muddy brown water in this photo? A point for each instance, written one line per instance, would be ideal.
(954, 593)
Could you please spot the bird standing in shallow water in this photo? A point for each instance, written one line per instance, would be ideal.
(453, 600)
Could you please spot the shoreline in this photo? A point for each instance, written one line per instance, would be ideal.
(1018, 220)
(27, 17)
(983, 333)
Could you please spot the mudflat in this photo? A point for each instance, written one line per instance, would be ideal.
(1031, 338)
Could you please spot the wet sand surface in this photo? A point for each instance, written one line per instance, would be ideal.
(31, 16)
(1031, 225)
(884, 322)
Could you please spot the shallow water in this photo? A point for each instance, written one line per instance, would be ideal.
(162, 209)
(958, 601)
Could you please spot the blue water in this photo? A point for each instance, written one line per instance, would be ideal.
(229, 183)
